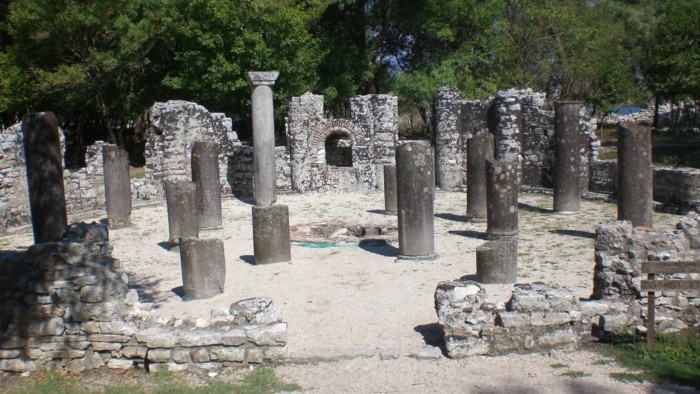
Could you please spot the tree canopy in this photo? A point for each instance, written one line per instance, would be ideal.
(98, 64)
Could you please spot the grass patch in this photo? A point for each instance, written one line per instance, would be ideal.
(575, 374)
(262, 380)
(676, 357)
(607, 154)
(628, 377)
(137, 172)
(558, 365)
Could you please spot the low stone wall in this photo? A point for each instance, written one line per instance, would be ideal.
(66, 306)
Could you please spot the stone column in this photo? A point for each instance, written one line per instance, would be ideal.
(502, 197)
(635, 179)
(205, 173)
(497, 261)
(390, 189)
(479, 149)
(415, 176)
(47, 197)
(203, 267)
(182, 210)
(117, 185)
(449, 149)
(265, 176)
(271, 242)
(567, 154)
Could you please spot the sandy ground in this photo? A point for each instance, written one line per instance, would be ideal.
(360, 297)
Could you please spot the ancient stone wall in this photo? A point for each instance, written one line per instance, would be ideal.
(371, 131)
(84, 187)
(173, 127)
(66, 305)
(523, 127)
(241, 171)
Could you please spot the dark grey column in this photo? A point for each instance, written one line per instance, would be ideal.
(205, 173)
(415, 174)
(479, 149)
(265, 176)
(635, 179)
(567, 156)
(497, 261)
(502, 195)
(271, 234)
(117, 185)
(47, 198)
(203, 267)
(182, 210)
(390, 203)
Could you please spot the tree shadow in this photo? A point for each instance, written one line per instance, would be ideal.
(532, 208)
(451, 216)
(145, 286)
(574, 233)
(380, 247)
(433, 335)
(469, 234)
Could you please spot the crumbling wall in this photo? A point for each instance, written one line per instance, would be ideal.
(174, 126)
(84, 187)
(66, 305)
(372, 130)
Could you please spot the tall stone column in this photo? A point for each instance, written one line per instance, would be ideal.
(415, 174)
(117, 185)
(47, 198)
(635, 179)
(502, 195)
(479, 149)
(449, 149)
(567, 154)
(390, 204)
(205, 173)
(182, 210)
(265, 177)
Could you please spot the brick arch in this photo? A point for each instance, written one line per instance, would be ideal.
(330, 126)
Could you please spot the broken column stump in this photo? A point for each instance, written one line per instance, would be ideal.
(497, 261)
(117, 186)
(271, 242)
(203, 267)
(182, 210)
(47, 198)
(205, 173)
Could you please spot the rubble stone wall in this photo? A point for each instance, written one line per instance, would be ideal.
(523, 128)
(84, 187)
(66, 305)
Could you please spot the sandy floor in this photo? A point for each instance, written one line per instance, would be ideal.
(359, 297)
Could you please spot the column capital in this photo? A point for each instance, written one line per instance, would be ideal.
(257, 78)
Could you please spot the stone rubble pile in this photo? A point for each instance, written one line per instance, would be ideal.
(67, 306)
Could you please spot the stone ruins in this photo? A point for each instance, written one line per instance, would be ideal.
(65, 303)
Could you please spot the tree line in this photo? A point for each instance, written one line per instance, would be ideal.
(99, 64)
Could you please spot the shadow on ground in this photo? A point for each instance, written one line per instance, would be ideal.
(574, 233)
(379, 247)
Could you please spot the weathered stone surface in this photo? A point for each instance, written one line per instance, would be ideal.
(497, 261)
(260, 310)
(479, 149)
(502, 196)
(567, 163)
(263, 136)
(449, 144)
(200, 338)
(203, 267)
(159, 355)
(271, 242)
(634, 199)
(233, 354)
(272, 335)
(117, 185)
(205, 173)
(182, 210)
(390, 189)
(117, 363)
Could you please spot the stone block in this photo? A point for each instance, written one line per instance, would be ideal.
(200, 338)
(467, 348)
(254, 355)
(273, 335)
(513, 319)
(275, 352)
(12, 353)
(200, 355)
(17, 365)
(159, 355)
(221, 353)
(75, 366)
(106, 346)
(119, 363)
(557, 338)
(109, 338)
(234, 337)
(134, 351)
(181, 355)
(271, 234)
(259, 310)
(156, 337)
(203, 267)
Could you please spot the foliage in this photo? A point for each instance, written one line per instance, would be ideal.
(676, 357)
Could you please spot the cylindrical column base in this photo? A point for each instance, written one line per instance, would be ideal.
(271, 242)
(502, 195)
(415, 174)
(390, 203)
(117, 186)
(479, 149)
(203, 267)
(205, 173)
(635, 179)
(497, 261)
(182, 210)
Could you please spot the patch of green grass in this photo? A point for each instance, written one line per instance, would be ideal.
(261, 380)
(575, 374)
(558, 365)
(607, 154)
(628, 376)
(676, 356)
(137, 172)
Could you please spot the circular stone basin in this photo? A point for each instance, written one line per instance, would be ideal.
(342, 232)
